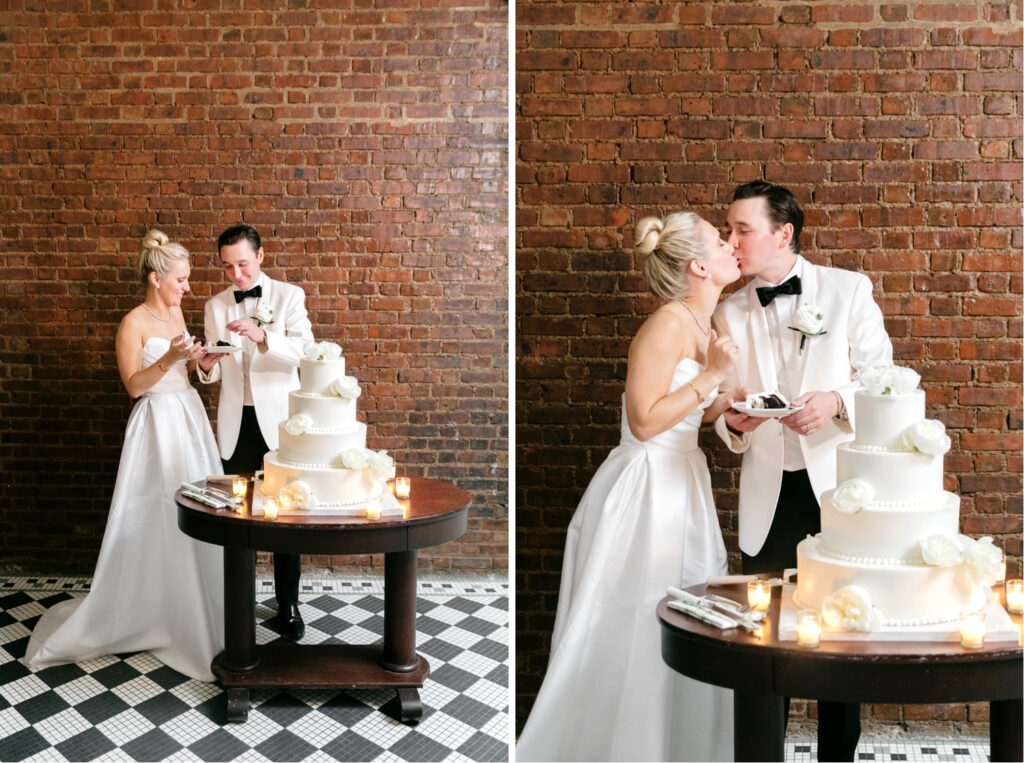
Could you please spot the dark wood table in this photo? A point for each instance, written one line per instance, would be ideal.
(435, 513)
(761, 671)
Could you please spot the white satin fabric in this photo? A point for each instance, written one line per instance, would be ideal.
(646, 521)
(154, 587)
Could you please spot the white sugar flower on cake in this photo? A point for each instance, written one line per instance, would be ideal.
(981, 560)
(889, 380)
(297, 495)
(850, 609)
(298, 424)
(927, 436)
(355, 458)
(852, 496)
(346, 387)
(322, 351)
(941, 551)
(382, 465)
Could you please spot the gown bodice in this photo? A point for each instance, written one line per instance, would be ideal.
(176, 378)
(683, 436)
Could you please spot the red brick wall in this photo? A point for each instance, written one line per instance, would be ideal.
(898, 127)
(369, 147)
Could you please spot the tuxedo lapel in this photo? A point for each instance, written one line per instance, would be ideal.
(757, 326)
(811, 295)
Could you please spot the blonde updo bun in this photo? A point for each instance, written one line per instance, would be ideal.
(671, 244)
(158, 255)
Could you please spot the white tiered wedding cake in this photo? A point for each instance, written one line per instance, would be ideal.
(890, 553)
(322, 465)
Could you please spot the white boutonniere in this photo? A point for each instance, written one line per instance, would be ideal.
(263, 315)
(808, 320)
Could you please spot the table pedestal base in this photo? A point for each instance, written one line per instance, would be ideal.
(319, 666)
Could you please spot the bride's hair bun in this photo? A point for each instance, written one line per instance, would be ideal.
(158, 255)
(154, 239)
(670, 244)
(647, 234)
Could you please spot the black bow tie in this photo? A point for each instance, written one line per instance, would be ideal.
(767, 293)
(255, 291)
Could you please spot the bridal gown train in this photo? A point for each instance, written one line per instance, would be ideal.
(154, 587)
(646, 521)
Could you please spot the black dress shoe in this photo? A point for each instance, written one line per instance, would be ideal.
(288, 624)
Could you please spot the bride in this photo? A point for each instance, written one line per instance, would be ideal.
(647, 521)
(154, 588)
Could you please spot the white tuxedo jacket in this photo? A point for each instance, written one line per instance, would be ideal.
(856, 339)
(273, 372)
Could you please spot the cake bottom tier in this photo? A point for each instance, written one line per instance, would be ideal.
(906, 595)
(332, 487)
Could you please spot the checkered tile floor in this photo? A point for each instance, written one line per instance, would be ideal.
(971, 750)
(132, 707)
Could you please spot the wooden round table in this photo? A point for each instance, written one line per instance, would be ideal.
(435, 513)
(761, 671)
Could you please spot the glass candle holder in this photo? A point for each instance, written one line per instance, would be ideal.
(270, 509)
(759, 595)
(1015, 596)
(1002, 570)
(239, 486)
(373, 512)
(972, 630)
(402, 487)
(808, 628)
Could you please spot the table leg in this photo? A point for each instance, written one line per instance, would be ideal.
(758, 726)
(239, 609)
(399, 653)
(1005, 729)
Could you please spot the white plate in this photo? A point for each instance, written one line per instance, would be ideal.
(766, 413)
(214, 349)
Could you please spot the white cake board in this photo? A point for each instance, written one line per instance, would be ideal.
(389, 506)
(999, 626)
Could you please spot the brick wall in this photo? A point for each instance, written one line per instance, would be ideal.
(366, 142)
(898, 127)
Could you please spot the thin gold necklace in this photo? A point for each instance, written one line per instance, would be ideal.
(163, 320)
(705, 331)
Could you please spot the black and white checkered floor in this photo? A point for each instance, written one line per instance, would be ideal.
(132, 707)
(913, 750)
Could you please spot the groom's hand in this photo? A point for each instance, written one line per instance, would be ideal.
(209, 359)
(247, 328)
(819, 407)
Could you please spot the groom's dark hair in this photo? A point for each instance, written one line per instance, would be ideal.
(782, 206)
(236, 233)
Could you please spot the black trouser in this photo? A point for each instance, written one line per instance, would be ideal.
(248, 457)
(798, 515)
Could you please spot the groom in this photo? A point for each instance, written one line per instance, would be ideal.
(789, 462)
(268, 320)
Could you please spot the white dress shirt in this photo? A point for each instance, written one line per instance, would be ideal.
(779, 314)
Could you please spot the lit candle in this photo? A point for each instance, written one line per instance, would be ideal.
(972, 630)
(270, 509)
(402, 485)
(808, 628)
(240, 486)
(1015, 596)
(759, 595)
(373, 511)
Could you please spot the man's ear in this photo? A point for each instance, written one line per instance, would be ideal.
(786, 239)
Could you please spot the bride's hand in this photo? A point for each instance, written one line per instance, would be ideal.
(179, 350)
(722, 354)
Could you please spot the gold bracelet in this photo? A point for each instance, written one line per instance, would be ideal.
(700, 397)
(160, 365)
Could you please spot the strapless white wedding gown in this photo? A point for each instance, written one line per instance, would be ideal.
(646, 521)
(154, 587)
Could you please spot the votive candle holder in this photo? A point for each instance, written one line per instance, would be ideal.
(1015, 596)
(972, 630)
(808, 628)
(240, 486)
(759, 595)
(270, 509)
(403, 485)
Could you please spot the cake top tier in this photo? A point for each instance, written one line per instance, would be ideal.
(888, 380)
(322, 372)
